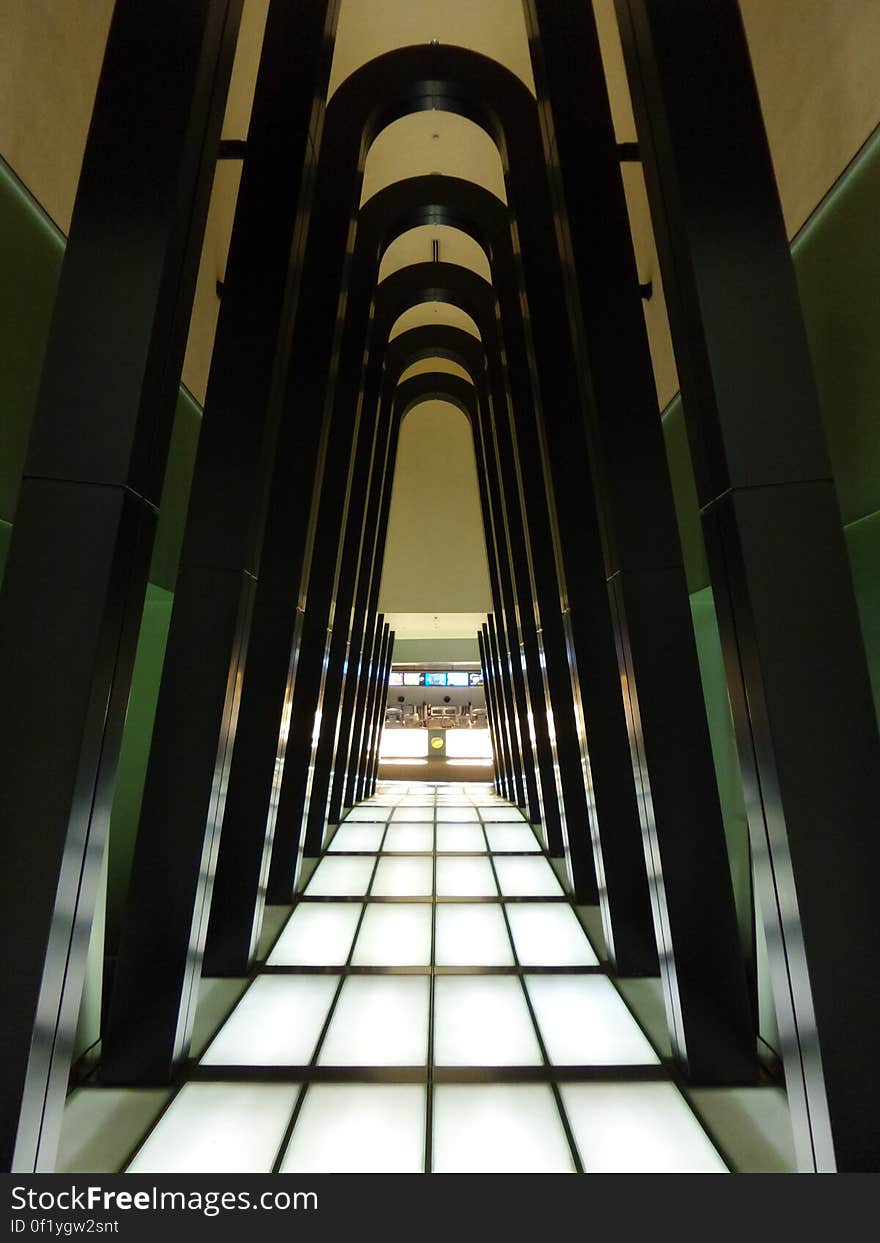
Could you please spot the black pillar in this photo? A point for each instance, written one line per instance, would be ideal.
(156, 979)
(76, 575)
(796, 671)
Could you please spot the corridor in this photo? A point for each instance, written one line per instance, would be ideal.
(432, 1004)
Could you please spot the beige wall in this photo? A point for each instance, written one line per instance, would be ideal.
(435, 556)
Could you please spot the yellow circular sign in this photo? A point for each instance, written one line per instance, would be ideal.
(437, 744)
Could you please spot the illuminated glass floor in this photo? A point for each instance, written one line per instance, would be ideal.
(432, 1004)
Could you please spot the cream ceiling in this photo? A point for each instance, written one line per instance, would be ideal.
(434, 625)
(367, 28)
(415, 246)
(426, 366)
(434, 313)
(433, 142)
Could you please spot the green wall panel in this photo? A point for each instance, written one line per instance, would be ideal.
(837, 263)
(863, 542)
(135, 753)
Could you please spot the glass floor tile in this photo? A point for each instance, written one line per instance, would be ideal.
(471, 936)
(585, 1022)
(403, 878)
(511, 837)
(531, 878)
(339, 878)
(218, 1128)
(483, 1021)
(359, 1128)
(379, 1021)
(637, 1128)
(423, 973)
(366, 813)
(318, 934)
(460, 837)
(354, 837)
(549, 934)
(276, 1023)
(412, 814)
(460, 877)
(394, 936)
(498, 1128)
(409, 837)
(456, 813)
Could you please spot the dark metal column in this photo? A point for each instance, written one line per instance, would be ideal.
(371, 690)
(498, 776)
(183, 810)
(709, 1010)
(796, 671)
(357, 757)
(76, 575)
(380, 709)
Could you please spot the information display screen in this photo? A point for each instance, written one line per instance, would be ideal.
(395, 678)
(436, 679)
(475, 679)
(413, 679)
(457, 678)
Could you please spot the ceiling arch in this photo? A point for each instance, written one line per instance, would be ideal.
(416, 246)
(367, 28)
(433, 313)
(433, 142)
(428, 366)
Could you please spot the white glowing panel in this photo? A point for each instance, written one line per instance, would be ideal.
(353, 837)
(463, 837)
(468, 744)
(276, 1023)
(584, 1022)
(412, 815)
(465, 878)
(403, 744)
(637, 1128)
(339, 878)
(379, 1021)
(366, 812)
(532, 878)
(456, 813)
(502, 812)
(471, 936)
(394, 935)
(511, 837)
(482, 1020)
(363, 1128)
(218, 1128)
(409, 837)
(549, 934)
(498, 1128)
(403, 878)
(318, 934)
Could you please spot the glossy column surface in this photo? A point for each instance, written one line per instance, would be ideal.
(75, 579)
(151, 1005)
(796, 672)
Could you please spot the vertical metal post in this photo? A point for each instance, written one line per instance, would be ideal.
(75, 579)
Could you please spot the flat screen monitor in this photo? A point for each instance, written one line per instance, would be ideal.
(436, 679)
(454, 678)
(475, 679)
(413, 679)
(395, 678)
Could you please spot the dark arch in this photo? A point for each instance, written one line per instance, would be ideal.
(435, 385)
